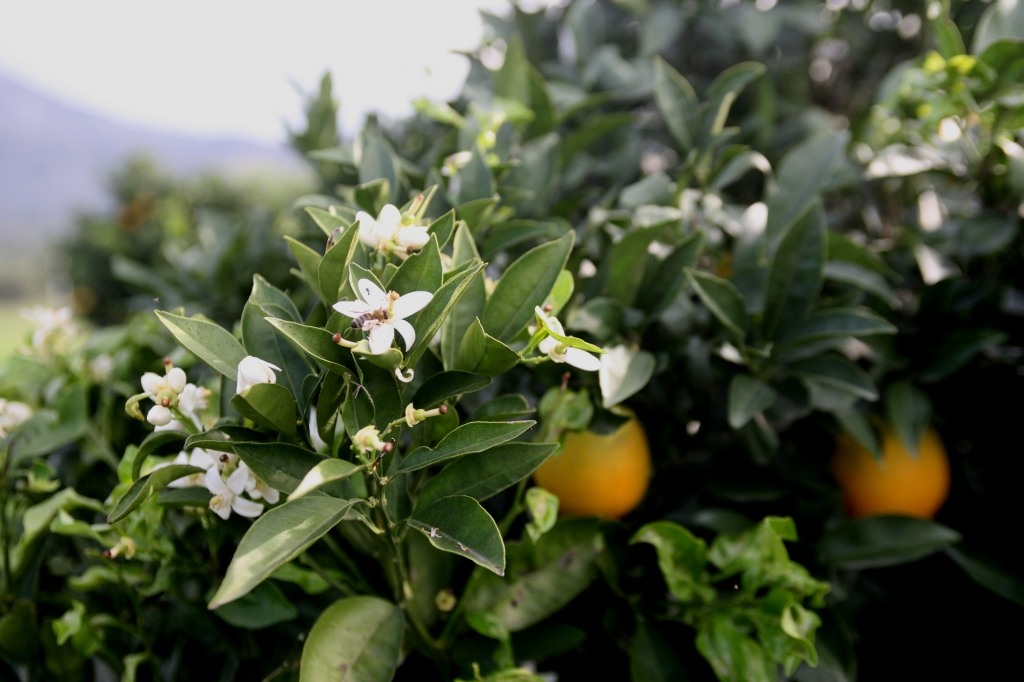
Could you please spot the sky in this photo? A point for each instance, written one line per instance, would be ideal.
(214, 68)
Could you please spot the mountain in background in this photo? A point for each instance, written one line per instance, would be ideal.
(55, 160)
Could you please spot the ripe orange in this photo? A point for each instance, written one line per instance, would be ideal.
(899, 484)
(599, 475)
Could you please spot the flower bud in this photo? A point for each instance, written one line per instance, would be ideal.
(336, 338)
(252, 371)
(176, 379)
(159, 416)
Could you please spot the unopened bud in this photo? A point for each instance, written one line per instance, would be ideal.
(336, 338)
(388, 447)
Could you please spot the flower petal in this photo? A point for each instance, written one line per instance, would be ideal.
(152, 383)
(407, 332)
(247, 508)
(271, 495)
(221, 507)
(202, 459)
(352, 308)
(214, 483)
(582, 359)
(389, 217)
(238, 478)
(371, 293)
(381, 338)
(410, 304)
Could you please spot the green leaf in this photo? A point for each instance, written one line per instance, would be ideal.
(624, 371)
(328, 405)
(722, 299)
(747, 397)
(465, 440)
(470, 305)
(332, 274)
(479, 352)
(678, 104)
(277, 537)
(318, 343)
(651, 658)
(378, 163)
(512, 81)
(309, 264)
(626, 263)
(834, 323)
(474, 180)
(357, 411)
(503, 408)
(442, 228)
(733, 655)
(909, 411)
(152, 444)
(461, 526)
(210, 342)
(262, 340)
(988, 575)
(1003, 19)
(261, 608)
(42, 435)
(325, 220)
(723, 91)
(222, 438)
(358, 639)
(420, 271)
(269, 405)
(682, 558)
(383, 389)
(523, 286)
(796, 270)
(433, 315)
(485, 474)
(670, 277)
(858, 427)
(843, 248)
(145, 487)
(837, 372)
(477, 214)
(516, 232)
(282, 466)
(861, 278)
(543, 508)
(958, 349)
(879, 541)
(445, 385)
(326, 472)
(374, 195)
(595, 129)
(802, 175)
(193, 496)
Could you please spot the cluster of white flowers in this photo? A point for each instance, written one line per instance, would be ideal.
(171, 393)
(227, 479)
(12, 414)
(381, 315)
(55, 327)
(252, 371)
(392, 231)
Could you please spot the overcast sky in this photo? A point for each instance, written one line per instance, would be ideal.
(226, 67)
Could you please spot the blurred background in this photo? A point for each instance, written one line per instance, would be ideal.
(196, 107)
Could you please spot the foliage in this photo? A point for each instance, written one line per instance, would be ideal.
(755, 225)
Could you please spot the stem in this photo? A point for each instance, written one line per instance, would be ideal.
(404, 589)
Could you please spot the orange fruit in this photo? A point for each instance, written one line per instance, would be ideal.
(599, 475)
(899, 483)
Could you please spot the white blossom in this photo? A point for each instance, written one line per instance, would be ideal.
(101, 367)
(53, 325)
(252, 371)
(368, 438)
(561, 352)
(412, 237)
(199, 458)
(258, 489)
(227, 495)
(376, 231)
(12, 414)
(382, 314)
(157, 386)
(159, 415)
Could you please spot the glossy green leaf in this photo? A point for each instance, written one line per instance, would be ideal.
(474, 180)
(332, 275)
(670, 277)
(836, 371)
(470, 306)
(378, 163)
(328, 406)
(523, 286)
(221, 438)
(747, 397)
(733, 655)
(834, 323)
(383, 389)
(280, 465)
(842, 248)
(682, 558)
(678, 104)
(193, 496)
(479, 352)
(261, 608)
(461, 526)
(326, 220)
(626, 262)
(958, 349)
(594, 129)
(445, 385)
(909, 411)
(485, 474)
(374, 195)
(722, 299)
(651, 657)
(804, 172)
(309, 263)
(465, 440)
(324, 473)
(796, 270)
(262, 340)
(987, 574)
(503, 408)
(624, 371)
(318, 343)
(152, 444)
(269, 405)
(210, 342)
(358, 639)
(723, 91)
(357, 410)
(866, 280)
(443, 228)
(1001, 20)
(859, 428)
(878, 541)
(429, 320)
(516, 232)
(277, 537)
(147, 486)
(420, 271)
